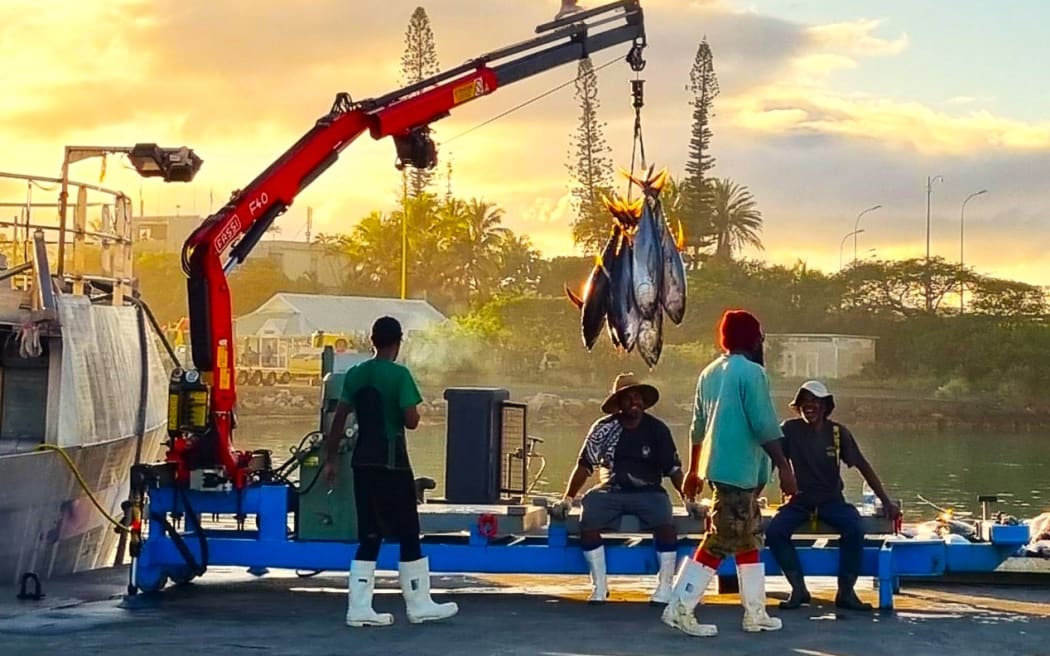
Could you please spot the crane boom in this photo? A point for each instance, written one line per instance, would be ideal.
(203, 441)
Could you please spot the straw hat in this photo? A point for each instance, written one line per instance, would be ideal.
(624, 383)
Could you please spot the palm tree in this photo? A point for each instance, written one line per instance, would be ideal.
(735, 217)
(520, 266)
(374, 249)
(683, 206)
(477, 242)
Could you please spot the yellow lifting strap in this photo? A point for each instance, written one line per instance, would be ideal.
(836, 434)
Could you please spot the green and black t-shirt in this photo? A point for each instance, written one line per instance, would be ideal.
(378, 392)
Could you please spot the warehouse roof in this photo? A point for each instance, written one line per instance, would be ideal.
(288, 314)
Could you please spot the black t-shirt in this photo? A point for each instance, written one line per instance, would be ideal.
(630, 460)
(815, 458)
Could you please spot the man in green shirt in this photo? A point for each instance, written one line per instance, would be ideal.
(383, 397)
(735, 432)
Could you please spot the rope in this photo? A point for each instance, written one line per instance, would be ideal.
(29, 340)
(529, 102)
(80, 479)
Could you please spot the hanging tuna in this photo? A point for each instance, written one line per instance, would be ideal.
(638, 277)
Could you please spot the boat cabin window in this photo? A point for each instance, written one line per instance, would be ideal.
(23, 395)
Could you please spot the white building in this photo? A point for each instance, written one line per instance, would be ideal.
(815, 355)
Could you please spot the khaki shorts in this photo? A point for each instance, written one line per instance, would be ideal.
(736, 522)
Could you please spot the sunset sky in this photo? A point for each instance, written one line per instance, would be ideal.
(826, 108)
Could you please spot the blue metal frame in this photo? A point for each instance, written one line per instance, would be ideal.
(269, 545)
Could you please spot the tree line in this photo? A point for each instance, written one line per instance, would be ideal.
(510, 311)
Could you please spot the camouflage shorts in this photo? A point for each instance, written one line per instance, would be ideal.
(736, 522)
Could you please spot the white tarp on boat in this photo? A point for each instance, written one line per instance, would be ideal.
(102, 373)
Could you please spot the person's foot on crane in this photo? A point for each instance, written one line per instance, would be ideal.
(568, 8)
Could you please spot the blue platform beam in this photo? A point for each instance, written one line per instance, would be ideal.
(551, 551)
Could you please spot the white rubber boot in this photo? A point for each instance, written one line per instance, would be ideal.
(415, 586)
(752, 579)
(665, 578)
(689, 586)
(599, 583)
(360, 588)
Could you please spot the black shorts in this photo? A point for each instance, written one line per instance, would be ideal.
(386, 503)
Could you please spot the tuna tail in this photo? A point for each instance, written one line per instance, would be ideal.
(679, 240)
(576, 300)
(625, 215)
(652, 185)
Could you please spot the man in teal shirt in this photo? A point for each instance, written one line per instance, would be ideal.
(735, 432)
(383, 397)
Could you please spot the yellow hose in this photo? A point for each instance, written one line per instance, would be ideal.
(83, 484)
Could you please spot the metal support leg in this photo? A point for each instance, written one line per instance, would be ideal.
(273, 513)
(886, 577)
(557, 535)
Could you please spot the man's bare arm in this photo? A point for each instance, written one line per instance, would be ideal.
(576, 480)
(868, 472)
(412, 418)
(692, 484)
(678, 481)
(775, 449)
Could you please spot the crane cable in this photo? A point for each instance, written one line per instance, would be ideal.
(638, 97)
(530, 101)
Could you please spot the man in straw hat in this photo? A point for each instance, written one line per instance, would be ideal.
(815, 446)
(735, 431)
(633, 451)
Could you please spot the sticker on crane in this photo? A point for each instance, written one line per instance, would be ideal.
(222, 362)
(228, 234)
(468, 91)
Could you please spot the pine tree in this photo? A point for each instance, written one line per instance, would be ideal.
(703, 84)
(419, 62)
(589, 165)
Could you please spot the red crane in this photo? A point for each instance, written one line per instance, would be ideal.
(202, 400)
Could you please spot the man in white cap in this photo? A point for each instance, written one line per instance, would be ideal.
(633, 451)
(815, 446)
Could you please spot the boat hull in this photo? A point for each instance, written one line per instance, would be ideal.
(50, 526)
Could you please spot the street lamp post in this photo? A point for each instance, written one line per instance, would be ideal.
(171, 164)
(962, 215)
(929, 192)
(404, 236)
(843, 244)
(856, 224)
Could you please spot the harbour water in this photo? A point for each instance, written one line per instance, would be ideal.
(948, 469)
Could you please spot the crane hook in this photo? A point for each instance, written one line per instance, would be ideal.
(634, 57)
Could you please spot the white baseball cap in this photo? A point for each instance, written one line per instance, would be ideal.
(817, 389)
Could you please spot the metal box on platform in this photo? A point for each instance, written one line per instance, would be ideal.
(473, 444)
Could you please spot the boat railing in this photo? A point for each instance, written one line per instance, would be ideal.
(96, 251)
